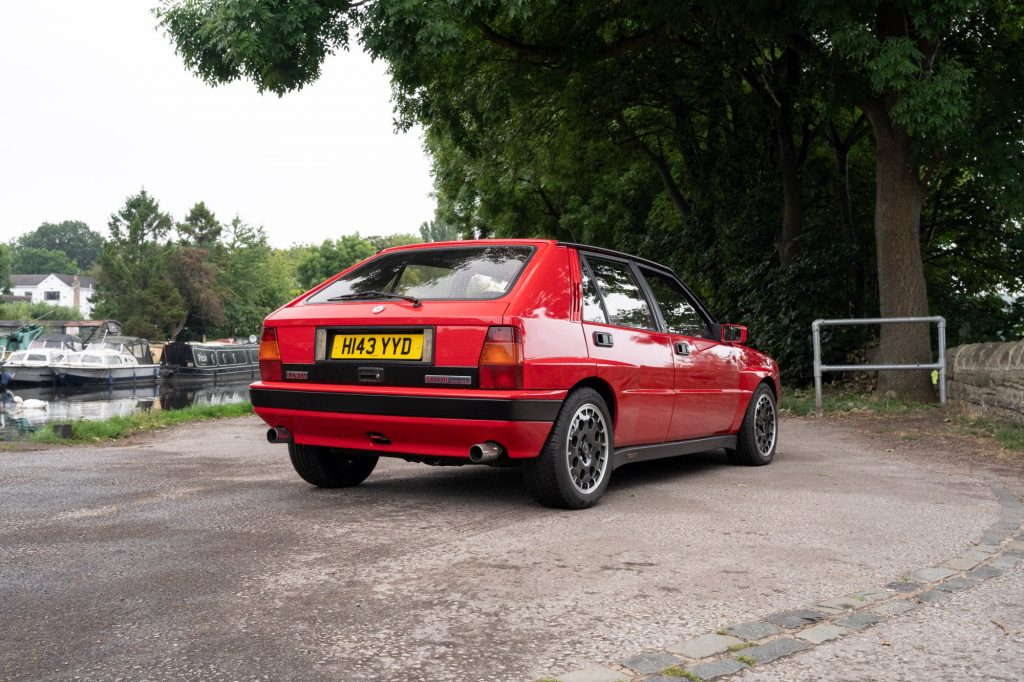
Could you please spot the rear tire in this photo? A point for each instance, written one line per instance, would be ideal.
(330, 467)
(759, 433)
(573, 469)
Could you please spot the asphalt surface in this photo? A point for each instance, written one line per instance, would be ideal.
(198, 553)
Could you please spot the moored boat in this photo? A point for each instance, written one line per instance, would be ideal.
(115, 359)
(195, 361)
(37, 365)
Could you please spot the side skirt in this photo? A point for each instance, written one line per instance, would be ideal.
(644, 453)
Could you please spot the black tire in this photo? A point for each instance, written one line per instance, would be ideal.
(330, 467)
(563, 476)
(759, 433)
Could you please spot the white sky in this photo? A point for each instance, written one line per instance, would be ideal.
(95, 105)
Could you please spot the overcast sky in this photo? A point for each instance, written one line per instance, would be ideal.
(95, 105)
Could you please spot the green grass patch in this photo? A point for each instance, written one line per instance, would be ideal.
(1009, 435)
(677, 671)
(748, 660)
(739, 647)
(85, 431)
(800, 402)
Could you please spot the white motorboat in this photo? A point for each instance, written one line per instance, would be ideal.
(37, 365)
(108, 366)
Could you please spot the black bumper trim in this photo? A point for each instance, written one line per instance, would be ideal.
(492, 409)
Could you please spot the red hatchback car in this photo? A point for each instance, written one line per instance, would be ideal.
(568, 360)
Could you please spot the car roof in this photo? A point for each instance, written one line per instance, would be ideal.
(529, 242)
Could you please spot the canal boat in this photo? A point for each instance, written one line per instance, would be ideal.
(190, 361)
(114, 360)
(37, 365)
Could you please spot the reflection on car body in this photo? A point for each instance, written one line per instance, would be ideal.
(564, 359)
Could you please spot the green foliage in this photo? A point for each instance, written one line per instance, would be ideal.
(278, 45)
(332, 257)
(134, 282)
(29, 260)
(381, 242)
(200, 227)
(5, 269)
(438, 231)
(72, 238)
(727, 142)
(45, 312)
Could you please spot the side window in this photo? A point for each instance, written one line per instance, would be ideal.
(623, 298)
(680, 315)
(593, 311)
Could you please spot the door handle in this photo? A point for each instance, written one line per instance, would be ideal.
(603, 339)
(682, 348)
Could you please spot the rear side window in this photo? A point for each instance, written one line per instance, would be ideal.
(623, 299)
(462, 273)
(681, 316)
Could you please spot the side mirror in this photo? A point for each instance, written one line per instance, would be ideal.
(734, 333)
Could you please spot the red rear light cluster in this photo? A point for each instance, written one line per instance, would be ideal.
(501, 360)
(270, 355)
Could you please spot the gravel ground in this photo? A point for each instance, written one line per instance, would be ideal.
(198, 553)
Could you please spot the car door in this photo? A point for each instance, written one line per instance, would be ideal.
(631, 353)
(706, 383)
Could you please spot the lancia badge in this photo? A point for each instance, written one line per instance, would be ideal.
(377, 309)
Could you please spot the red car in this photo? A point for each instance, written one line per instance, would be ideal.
(566, 359)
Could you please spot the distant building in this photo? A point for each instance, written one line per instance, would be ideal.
(70, 291)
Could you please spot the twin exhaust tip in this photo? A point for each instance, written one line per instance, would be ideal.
(279, 435)
(485, 453)
(481, 453)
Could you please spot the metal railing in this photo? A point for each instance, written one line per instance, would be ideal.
(819, 368)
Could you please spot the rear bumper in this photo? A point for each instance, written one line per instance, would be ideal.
(441, 422)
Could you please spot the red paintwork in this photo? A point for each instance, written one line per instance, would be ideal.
(658, 395)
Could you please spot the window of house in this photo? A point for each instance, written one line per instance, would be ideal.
(51, 295)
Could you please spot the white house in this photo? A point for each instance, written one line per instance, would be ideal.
(70, 291)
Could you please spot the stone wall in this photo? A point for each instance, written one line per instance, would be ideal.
(987, 377)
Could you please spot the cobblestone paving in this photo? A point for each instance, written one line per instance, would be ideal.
(747, 650)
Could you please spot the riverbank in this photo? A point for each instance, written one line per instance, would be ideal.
(90, 431)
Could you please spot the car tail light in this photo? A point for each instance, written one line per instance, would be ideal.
(270, 355)
(501, 360)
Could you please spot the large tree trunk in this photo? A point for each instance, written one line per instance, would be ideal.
(901, 284)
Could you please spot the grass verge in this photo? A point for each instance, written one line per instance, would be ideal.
(835, 399)
(84, 431)
(799, 402)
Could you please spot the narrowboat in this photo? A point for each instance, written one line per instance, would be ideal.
(184, 361)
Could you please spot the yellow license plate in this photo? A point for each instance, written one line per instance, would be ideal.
(377, 347)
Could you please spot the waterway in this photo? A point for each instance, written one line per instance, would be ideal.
(64, 404)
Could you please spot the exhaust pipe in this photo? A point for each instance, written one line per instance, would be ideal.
(485, 453)
(279, 435)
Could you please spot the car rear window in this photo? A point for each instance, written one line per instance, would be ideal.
(457, 273)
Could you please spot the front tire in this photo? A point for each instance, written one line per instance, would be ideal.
(573, 469)
(330, 467)
(759, 432)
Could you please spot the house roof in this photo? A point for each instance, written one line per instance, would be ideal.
(36, 280)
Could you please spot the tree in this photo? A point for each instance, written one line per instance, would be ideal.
(29, 260)
(381, 242)
(200, 227)
(331, 257)
(713, 139)
(72, 238)
(259, 279)
(5, 269)
(134, 283)
(438, 231)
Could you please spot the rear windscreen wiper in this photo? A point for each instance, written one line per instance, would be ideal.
(376, 294)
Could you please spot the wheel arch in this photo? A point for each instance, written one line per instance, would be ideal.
(603, 388)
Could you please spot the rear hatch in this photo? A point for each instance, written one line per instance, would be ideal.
(412, 317)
